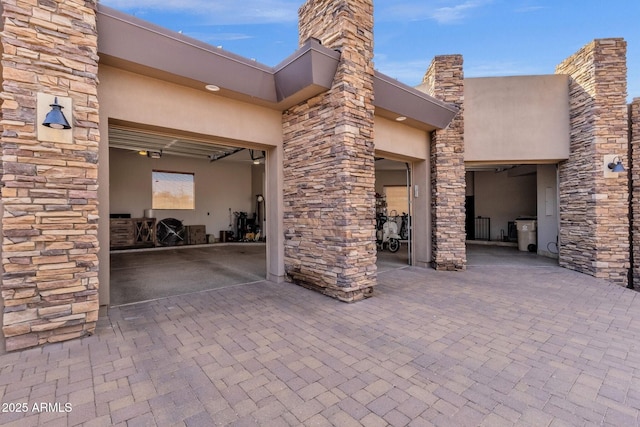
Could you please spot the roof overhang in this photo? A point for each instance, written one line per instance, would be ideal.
(394, 99)
(125, 42)
(138, 46)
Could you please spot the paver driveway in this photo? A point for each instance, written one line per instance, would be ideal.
(491, 346)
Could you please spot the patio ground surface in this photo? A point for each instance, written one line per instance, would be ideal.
(497, 345)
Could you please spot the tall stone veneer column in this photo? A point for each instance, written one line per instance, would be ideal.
(594, 226)
(49, 193)
(445, 81)
(634, 138)
(329, 171)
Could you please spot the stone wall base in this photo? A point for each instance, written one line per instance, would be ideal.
(65, 333)
(345, 295)
(455, 265)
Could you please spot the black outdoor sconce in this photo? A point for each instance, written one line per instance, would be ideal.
(616, 165)
(55, 118)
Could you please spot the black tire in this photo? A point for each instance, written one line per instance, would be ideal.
(394, 245)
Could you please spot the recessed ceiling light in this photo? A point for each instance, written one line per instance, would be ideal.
(401, 119)
(212, 88)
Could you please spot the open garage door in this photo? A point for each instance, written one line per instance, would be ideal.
(393, 213)
(186, 214)
(512, 213)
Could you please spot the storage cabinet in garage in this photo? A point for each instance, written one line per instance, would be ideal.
(132, 233)
(121, 233)
(196, 234)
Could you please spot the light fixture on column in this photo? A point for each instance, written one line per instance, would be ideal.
(55, 118)
(612, 166)
(616, 165)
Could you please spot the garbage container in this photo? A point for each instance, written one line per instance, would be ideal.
(527, 234)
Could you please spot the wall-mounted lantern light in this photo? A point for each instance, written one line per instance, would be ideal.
(55, 118)
(616, 166)
(52, 124)
(612, 166)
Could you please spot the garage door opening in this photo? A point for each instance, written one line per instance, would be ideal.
(514, 208)
(187, 214)
(393, 214)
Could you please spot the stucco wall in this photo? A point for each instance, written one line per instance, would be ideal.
(547, 210)
(521, 119)
(219, 186)
(139, 99)
(399, 140)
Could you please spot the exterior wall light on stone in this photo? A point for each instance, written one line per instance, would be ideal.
(53, 123)
(612, 166)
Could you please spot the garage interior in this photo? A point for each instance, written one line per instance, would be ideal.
(513, 206)
(212, 237)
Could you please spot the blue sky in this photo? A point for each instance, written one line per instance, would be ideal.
(496, 37)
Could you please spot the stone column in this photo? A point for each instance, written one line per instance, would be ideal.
(49, 193)
(329, 171)
(634, 148)
(444, 80)
(594, 208)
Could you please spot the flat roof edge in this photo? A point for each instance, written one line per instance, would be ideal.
(309, 70)
(394, 96)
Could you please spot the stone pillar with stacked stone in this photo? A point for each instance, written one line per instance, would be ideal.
(444, 80)
(594, 205)
(329, 170)
(49, 185)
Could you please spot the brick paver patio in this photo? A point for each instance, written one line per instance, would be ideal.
(494, 346)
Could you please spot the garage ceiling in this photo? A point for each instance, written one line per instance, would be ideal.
(139, 140)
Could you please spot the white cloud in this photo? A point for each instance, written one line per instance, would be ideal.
(441, 11)
(218, 12)
(222, 12)
(451, 14)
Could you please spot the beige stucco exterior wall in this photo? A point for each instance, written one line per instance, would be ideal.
(138, 99)
(521, 119)
(400, 141)
(548, 219)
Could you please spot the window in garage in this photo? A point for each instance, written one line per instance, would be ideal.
(172, 190)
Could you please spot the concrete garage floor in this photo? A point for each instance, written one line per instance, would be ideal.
(144, 275)
(502, 256)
